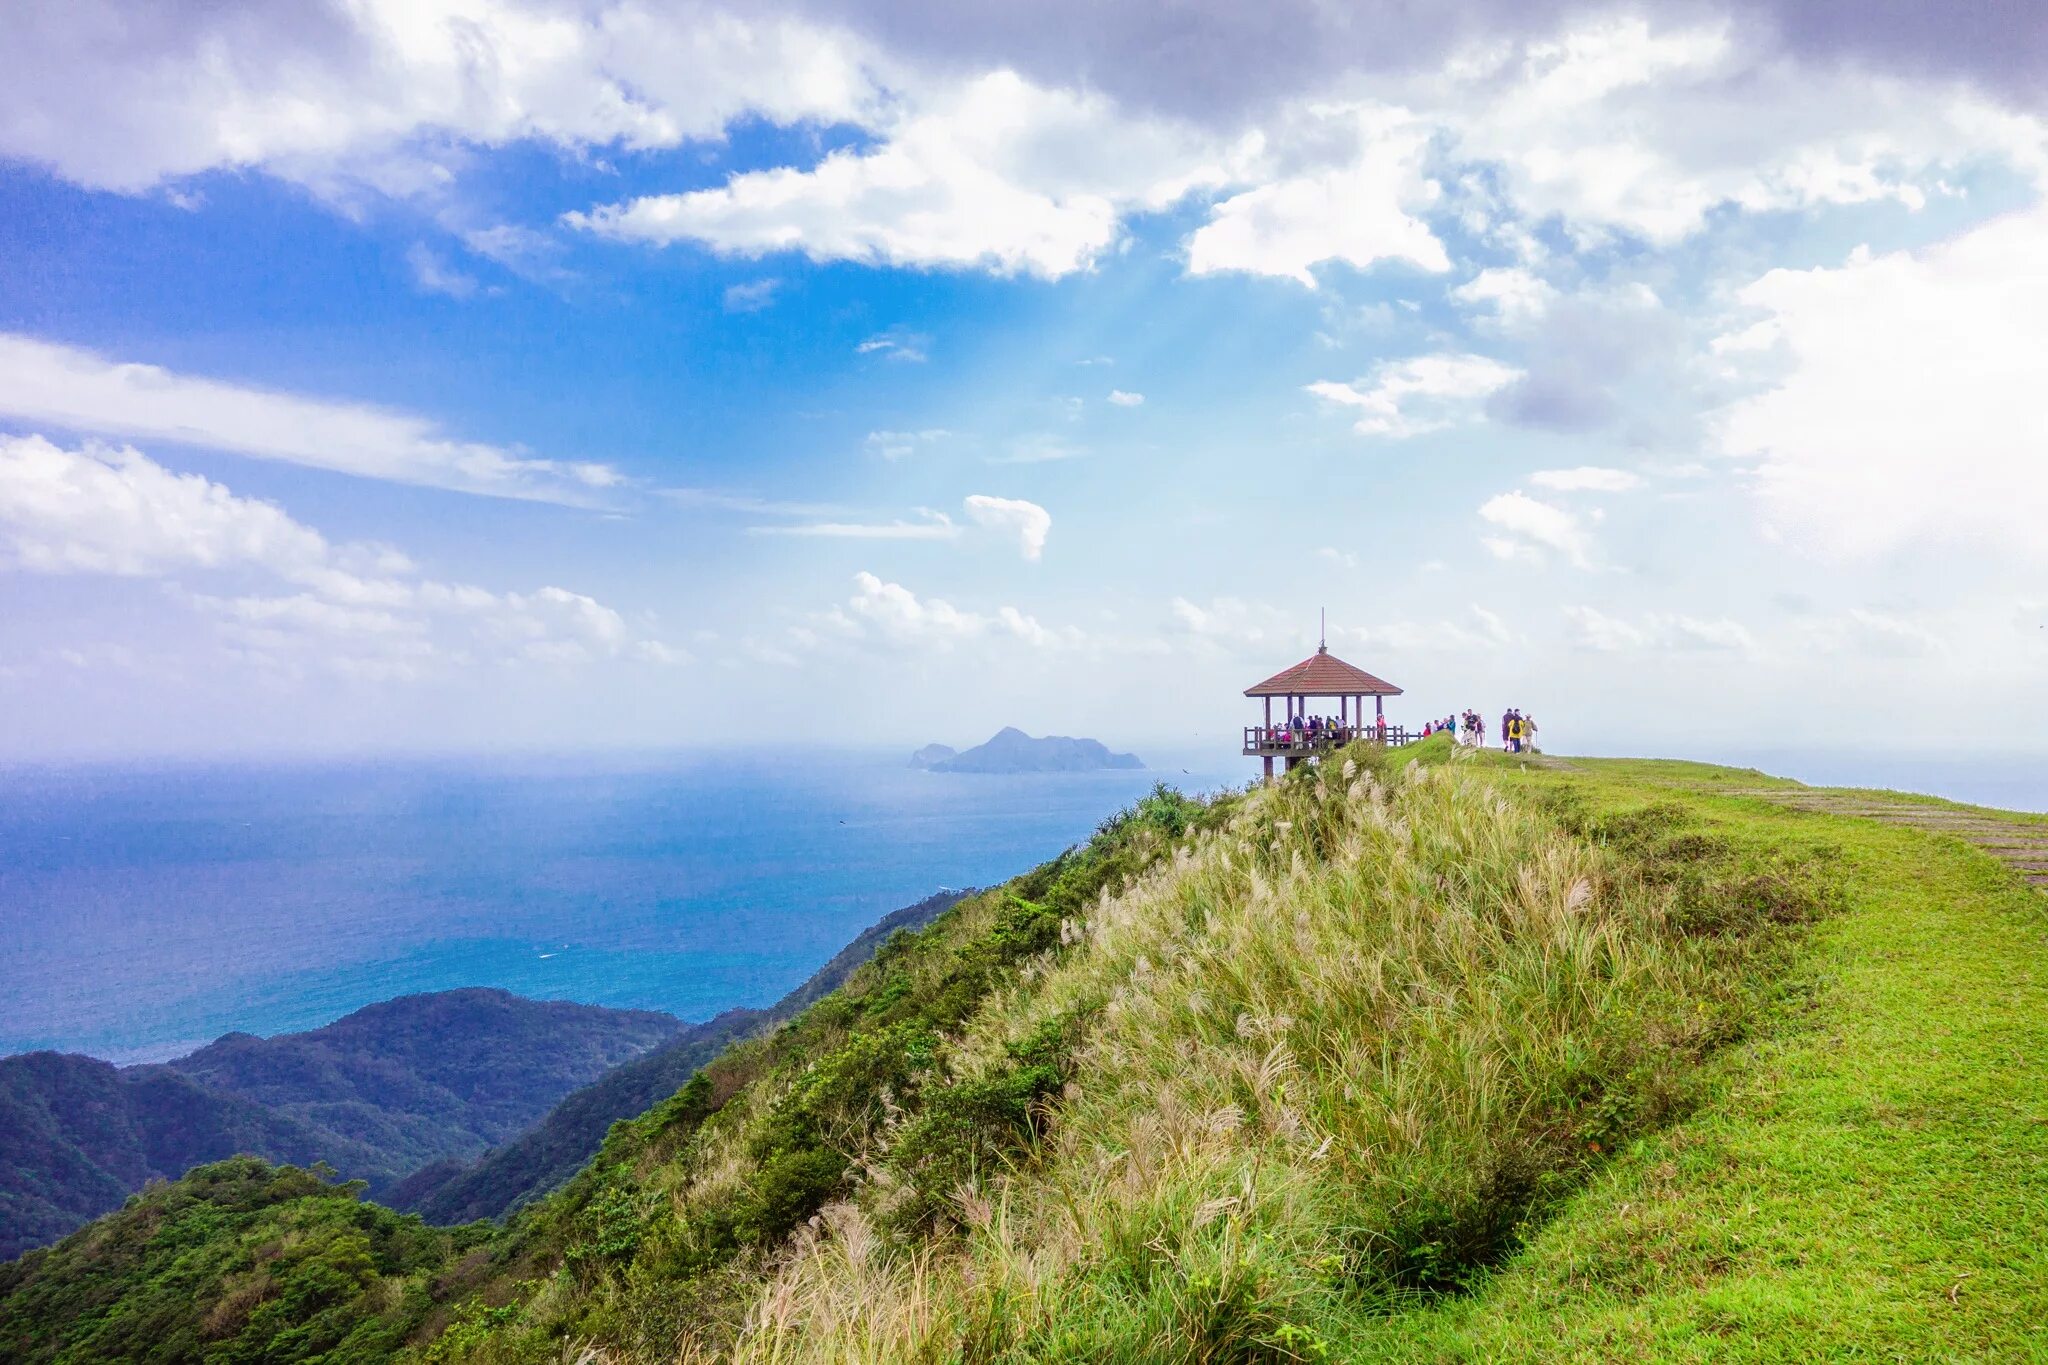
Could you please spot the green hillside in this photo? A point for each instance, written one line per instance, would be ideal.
(375, 1094)
(1412, 1057)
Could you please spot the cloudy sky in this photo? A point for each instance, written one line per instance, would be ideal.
(443, 374)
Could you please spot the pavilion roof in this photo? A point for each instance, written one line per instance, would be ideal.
(1323, 674)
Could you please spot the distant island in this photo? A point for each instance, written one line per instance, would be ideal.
(1013, 751)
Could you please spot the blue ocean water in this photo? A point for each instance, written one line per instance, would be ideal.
(146, 911)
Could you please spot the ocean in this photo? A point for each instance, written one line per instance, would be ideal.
(145, 911)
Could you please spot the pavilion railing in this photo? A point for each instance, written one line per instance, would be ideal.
(1282, 739)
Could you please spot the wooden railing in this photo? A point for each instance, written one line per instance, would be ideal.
(1284, 740)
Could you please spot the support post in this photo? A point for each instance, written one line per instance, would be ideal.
(1269, 770)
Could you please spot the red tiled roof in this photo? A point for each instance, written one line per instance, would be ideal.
(1323, 674)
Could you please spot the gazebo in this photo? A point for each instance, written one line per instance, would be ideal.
(1321, 674)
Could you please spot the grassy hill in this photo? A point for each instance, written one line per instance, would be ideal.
(1412, 1057)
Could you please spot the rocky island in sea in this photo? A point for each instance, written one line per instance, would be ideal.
(1013, 751)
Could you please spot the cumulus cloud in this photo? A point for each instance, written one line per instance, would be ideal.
(1357, 211)
(113, 510)
(1904, 399)
(1421, 394)
(1123, 399)
(360, 608)
(120, 98)
(1510, 294)
(900, 615)
(80, 390)
(995, 172)
(1529, 528)
(1027, 521)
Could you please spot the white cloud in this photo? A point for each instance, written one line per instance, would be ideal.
(1630, 124)
(1885, 633)
(1482, 633)
(1662, 632)
(1421, 394)
(1532, 525)
(359, 608)
(1343, 559)
(932, 526)
(1595, 630)
(900, 614)
(1586, 478)
(994, 172)
(1354, 207)
(115, 511)
(897, 344)
(1039, 448)
(1907, 404)
(82, 391)
(1226, 621)
(435, 276)
(1123, 399)
(751, 296)
(897, 445)
(1029, 522)
(373, 90)
(1510, 293)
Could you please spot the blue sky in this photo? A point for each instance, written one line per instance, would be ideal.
(550, 373)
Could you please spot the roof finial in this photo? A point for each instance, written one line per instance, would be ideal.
(1323, 633)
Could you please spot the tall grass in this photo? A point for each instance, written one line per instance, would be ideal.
(1326, 1058)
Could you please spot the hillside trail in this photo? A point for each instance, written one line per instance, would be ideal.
(2019, 842)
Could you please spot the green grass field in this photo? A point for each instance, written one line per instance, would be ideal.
(1868, 1179)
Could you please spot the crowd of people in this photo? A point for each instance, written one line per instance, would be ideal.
(1325, 731)
(1517, 731)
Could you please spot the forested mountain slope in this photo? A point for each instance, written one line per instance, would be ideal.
(375, 1095)
(550, 1152)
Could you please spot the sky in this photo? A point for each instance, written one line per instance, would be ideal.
(390, 376)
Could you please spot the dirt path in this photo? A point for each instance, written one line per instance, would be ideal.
(2017, 841)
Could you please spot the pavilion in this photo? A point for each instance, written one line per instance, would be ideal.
(1322, 674)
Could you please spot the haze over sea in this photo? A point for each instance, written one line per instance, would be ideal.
(144, 911)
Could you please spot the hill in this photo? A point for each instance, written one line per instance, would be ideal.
(77, 1136)
(376, 1094)
(550, 1152)
(1413, 1056)
(1010, 750)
